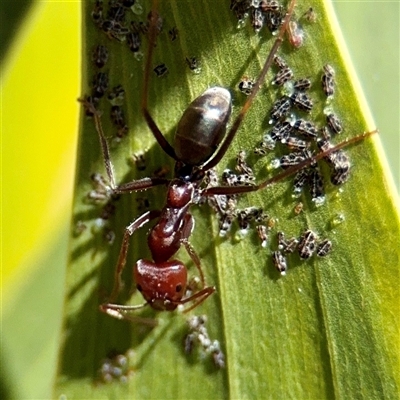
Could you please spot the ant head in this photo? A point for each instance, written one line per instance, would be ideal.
(163, 284)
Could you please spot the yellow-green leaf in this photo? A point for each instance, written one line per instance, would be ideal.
(329, 328)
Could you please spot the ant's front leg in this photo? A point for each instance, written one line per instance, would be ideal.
(129, 230)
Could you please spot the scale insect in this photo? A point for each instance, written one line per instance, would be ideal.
(201, 141)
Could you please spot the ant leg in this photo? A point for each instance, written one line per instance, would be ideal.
(162, 141)
(140, 184)
(186, 232)
(103, 141)
(260, 80)
(122, 312)
(206, 290)
(230, 190)
(129, 230)
(200, 296)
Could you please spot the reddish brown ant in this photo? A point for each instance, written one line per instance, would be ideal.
(200, 144)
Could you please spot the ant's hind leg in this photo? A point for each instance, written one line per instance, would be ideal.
(187, 229)
(129, 230)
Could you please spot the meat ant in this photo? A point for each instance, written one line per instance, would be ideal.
(200, 144)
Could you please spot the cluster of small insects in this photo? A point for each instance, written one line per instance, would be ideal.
(262, 12)
(226, 207)
(306, 246)
(299, 134)
(198, 337)
(270, 13)
(113, 22)
(116, 368)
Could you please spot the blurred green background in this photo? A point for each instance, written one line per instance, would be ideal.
(40, 61)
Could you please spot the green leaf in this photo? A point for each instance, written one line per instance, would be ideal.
(327, 329)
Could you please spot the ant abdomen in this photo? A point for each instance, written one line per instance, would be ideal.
(162, 285)
(202, 126)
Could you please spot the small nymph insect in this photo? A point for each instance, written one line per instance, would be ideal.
(200, 143)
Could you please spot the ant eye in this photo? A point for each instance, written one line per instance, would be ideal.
(178, 288)
(138, 287)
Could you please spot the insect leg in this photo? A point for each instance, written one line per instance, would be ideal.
(129, 230)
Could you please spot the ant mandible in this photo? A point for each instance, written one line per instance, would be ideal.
(200, 144)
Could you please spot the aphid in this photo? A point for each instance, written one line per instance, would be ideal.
(162, 279)
(133, 41)
(274, 19)
(334, 123)
(280, 62)
(306, 128)
(247, 215)
(100, 56)
(302, 84)
(281, 131)
(139, 27)
(114, 30)
(307, 244)
(298, 208)
(302, 101)
(300, 179)
(287, 245)
(140, 161)
(316, 185)
(241, 9)
(328, 80)
(108, 210)
(100, 84)
(225, 223)
(341, 168)
(161, 70)
(194, 64)
(142, 203)
(323, 248)
(295, 34)
(338, 161)
(257, 19)
(109, 236)
(241, 164)
(173, 33)
(294, 158)
(310, 15)
(294, 143)
(262, 232)
(79, 228)
(246, 86)
(281, 108)
(270, 5)
(265, 146)
(116, 12)
(285, 74)
(280, 262)
(97, 13)
(116, 95)
(118, 119)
